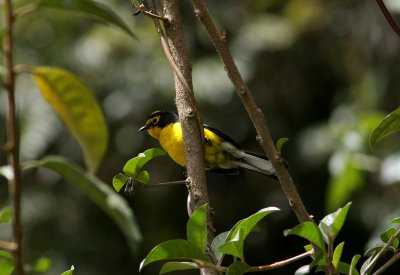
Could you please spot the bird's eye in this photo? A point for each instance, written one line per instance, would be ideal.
(155, 120)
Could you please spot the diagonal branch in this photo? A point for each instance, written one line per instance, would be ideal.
(388, 17)
(256, 115)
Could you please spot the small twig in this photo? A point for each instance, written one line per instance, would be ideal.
(24, 10)
(8, 245)
(142, 9)
(385, 266)
(281, 263)
(380, 253)
(388, 17)
(162, 184)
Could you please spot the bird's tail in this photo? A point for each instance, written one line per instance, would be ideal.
(256, 162)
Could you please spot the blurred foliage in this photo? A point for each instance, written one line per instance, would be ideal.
(325, 73)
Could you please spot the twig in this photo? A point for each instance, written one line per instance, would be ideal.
(8, 245)
(385, 266)
(163, 184)
(388, 17)
(13, 136)
(281, 263)
(380, 253)
(254, 112)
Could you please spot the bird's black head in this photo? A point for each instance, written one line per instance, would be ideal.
(159, 119)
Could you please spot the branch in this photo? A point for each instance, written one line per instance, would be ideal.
(256, 115)
(8, 245)
(388, 17)
(380, 253)
(193, 137)
(281, 263)
(12, 145)
(385, 266)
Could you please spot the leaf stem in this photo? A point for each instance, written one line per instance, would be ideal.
(12, 145)
(389, 17)
(281, 263)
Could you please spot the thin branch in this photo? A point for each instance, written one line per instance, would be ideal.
(380, 253)
(256, 115)
(388, 17)
(13, 136)
(163, 184)
(8, 245)
(281, 263)
(385, 266)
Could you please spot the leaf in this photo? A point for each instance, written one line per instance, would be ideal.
(389, 125)
(75, 104)
(42, 265)
(280, 143)
(354, 261)
(343, 184)
(134, 165)
(388, 234)
(143, 177)
(218, 241)
(372, 251)
(177, 266)
(119, 181)
(196, 229)
(5, 215)
(6, 263)
(237, 268)
(174, 250)
(100, 193)
(69, 272)
(331, 224)
(91, 8)
(395, 220)
(337, 254)
(240, 231)
(308, 231)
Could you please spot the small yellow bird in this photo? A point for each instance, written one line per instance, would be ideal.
(222, 153)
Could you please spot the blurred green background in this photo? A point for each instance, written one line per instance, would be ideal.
(323, 72)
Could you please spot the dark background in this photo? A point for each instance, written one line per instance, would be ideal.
(323, 72)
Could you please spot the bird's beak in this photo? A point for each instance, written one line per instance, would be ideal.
(145, 127)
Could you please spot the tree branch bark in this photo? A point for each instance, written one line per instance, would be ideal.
(256, 115)
(12, 145)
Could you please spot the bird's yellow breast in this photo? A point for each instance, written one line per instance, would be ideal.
(171, 139)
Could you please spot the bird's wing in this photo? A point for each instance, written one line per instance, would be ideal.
(223, 135)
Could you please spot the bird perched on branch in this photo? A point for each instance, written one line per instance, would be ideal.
(222, 153)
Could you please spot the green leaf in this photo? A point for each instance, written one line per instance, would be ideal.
(353, 264)
(88, 7)
(237, 268)
(177, 266)
(389, 125)
(331, 224)
(372, 251)
(395, 220)
(218, 241)
(100, 193)
(134, 165)
(305, 269)
(42, 265)
(69, 272)
(343, 268)
(75, 104)
(343, 184)
(196, 229)
(119, 181)
(308, 231)
(5, 215)
(280, 143)
(174, 250)
(240, 231)
(389, 233)
(143, 177)
(6, 263)
(337, 254)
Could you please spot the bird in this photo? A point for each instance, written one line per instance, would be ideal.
(223, 154)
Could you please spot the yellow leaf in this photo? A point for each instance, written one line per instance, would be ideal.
(75, 104)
